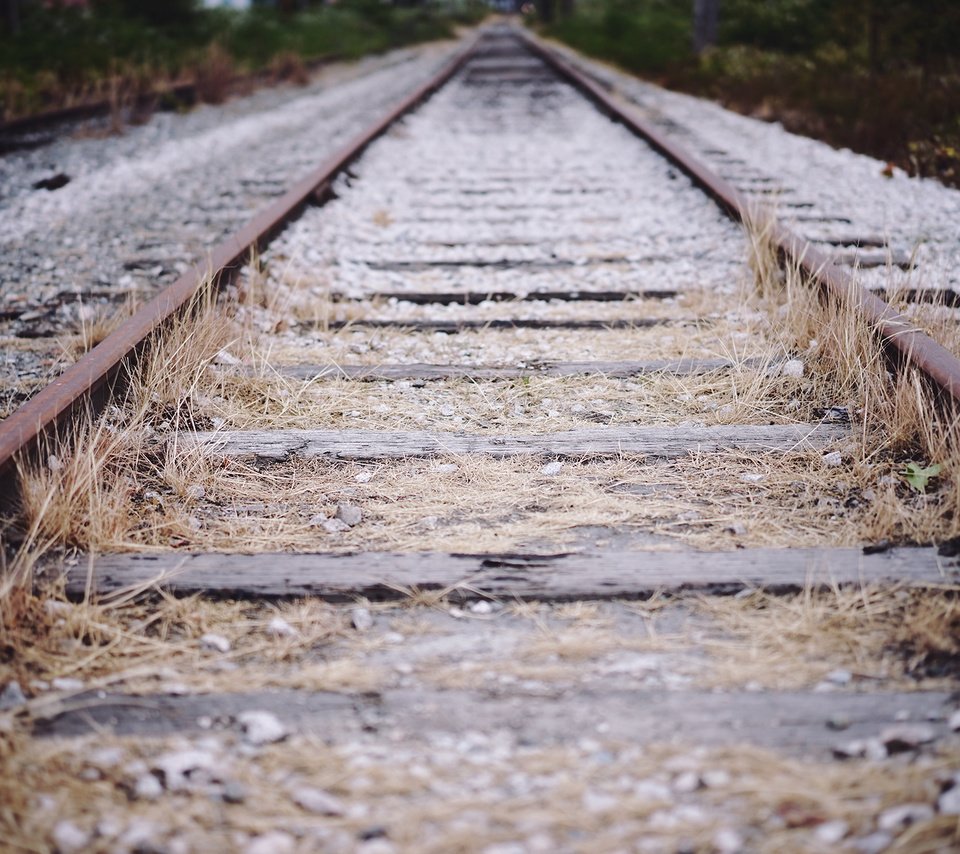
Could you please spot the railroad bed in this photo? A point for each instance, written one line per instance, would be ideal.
(512, 497)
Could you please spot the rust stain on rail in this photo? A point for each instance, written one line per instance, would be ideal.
(85, 384)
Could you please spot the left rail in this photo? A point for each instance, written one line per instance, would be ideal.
(85, 385)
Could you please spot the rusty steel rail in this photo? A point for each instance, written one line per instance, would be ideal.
(84, 386)
(903, 341)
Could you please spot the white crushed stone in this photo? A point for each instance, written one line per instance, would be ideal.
(70, 838)
(262, 727)
(215, 642)
(914, 215)
(317, 801)
(492, 201)
(280, 628)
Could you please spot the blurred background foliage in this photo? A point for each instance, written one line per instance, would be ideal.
(55, 54)
(878, 76)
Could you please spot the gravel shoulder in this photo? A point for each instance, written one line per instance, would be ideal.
(142, 207)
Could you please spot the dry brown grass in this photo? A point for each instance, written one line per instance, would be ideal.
(83, 493)
(213, 74)
(152, 643)
(895, 415)
(908, 636)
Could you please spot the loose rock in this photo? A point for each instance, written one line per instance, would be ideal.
(727, 841)
(872, 844)
(214, 642)
(261, 727)
(900, 738)
(831, 832)
(900, 817)
(349, 514)
(362, 619)
(147, 788)
(234, 792)
(317, 801)
(12, 696)
(179, 768)
(793, 368)
(68, 837)
(274, 842)
(334, 526)
(280, 628)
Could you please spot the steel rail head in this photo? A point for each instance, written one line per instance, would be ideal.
(84, 385)
(907, 344)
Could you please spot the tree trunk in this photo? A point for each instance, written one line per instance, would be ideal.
(545, 7)
(706, 14)
(873, 38)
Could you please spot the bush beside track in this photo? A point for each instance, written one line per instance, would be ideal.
(119, 50)
(881, 77)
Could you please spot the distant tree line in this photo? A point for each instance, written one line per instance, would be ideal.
(922, 33)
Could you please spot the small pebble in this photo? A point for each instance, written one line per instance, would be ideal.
(839, 677)
(261, 727)
(274, 842)
(903, 737)
(481, 607)
(56, 608)
(317, 801)
(225, 358)
(954, 721)
(147, 788)
(552, 469)
(362, 619)
(234, 792)
(349, 514)
(872, 844)
(364, 477)
(838, 722)
(447, 468)
(727, 841)
(949, 802)
(715, 779)
(831, 832)
(793, 368)
(195, 492)
(214, 642)
(897, 818)
(334, 526)
(687, 782)
(833, 459)
(177, 768)
(280, 628)
(68, 837)
(11, 696)
(67, 684)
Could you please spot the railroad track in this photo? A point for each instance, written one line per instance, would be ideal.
(501, 349)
